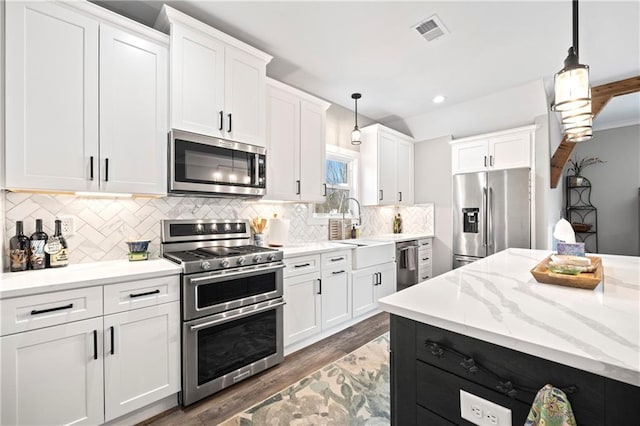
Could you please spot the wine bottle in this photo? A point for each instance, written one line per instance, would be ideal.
(57, 248)
(38, 258)
(19, 250)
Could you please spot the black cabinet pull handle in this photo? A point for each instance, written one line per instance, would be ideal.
(297, 187)
(229, 115)
(375, 279)
(507, 389)
(324, 193)
(221, 121)
(436, 350)
(91, 167)
(425, 277)
(95, 344)
(400, 196)
(144, 294)
(491, 160)
(335, 259)
(381, 195)
(113, 346)
(485, 161)
(425, 258)
(44, 311)
(379, 278)
(106, 170)
(319, 286)
(302, 265)
(469, 364)
(338, 272)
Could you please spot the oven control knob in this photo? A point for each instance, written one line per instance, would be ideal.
(257, 258)
(241, 260)
(271, 257)
(205, 265)
(224, 263)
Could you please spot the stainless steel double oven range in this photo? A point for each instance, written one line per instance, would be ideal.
(232, 305)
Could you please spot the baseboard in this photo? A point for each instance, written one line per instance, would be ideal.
(144, 413)
(294, 347)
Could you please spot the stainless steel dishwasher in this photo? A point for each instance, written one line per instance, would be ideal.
(407, 264)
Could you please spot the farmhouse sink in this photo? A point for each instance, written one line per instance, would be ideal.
(370, 253)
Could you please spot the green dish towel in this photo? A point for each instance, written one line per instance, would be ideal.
(551, 408)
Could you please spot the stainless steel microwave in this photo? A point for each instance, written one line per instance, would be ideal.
(204, 165)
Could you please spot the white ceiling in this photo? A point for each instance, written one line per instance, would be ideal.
(333, 48)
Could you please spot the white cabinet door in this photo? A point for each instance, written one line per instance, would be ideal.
(387, 280)
(510, 151)
(364, 296)
(133, 113)
(405, 172)
(197, 82)
(312, 152)
(244, 97)
(141, 357)
(472, 156)
(51, 97)
(303, 311)
(283, 158)
(387, 173)
(336, 297)
(53, 375)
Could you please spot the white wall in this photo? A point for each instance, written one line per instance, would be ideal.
(432, 165)
(555, 205)
(615, 186)
(340, 122)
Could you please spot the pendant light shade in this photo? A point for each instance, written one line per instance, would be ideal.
(355, 133)
(577, 115)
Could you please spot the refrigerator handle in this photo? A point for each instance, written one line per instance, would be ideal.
(489, 219)
(484, 207)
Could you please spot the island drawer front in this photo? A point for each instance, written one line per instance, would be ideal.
(336, 259)
(425, 244)
(43, 310)
(527, 373)
(141, 293)
(439, 391)
(427, 417)
(301, 265)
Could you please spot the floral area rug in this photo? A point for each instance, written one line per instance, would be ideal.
(352, 391)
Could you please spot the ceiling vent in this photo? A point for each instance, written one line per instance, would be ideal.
(431, 28)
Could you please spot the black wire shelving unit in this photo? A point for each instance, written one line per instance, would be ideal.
(579, 211)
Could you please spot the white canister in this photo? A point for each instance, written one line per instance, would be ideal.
(278, 232)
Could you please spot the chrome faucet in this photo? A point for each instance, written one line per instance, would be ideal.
(359, 213)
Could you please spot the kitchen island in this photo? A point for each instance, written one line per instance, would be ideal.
(489, 328)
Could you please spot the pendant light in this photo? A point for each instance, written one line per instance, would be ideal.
(573, 93)
(355, 133)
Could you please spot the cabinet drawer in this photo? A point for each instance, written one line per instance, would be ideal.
(337, 259)
(301, 265)
(526, 373)
(43, 310)
(425, 244)
(141, 293)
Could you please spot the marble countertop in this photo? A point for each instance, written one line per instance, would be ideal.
(397, 238)
(15, 284)
(293, 250)
(496, 299)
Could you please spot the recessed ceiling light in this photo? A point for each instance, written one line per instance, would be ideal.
(438, 99)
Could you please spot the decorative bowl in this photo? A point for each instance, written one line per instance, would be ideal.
(138, 246)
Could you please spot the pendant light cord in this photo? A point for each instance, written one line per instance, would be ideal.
(575, 27)
(356, 112)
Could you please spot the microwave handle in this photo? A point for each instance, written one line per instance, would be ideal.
(256, 169)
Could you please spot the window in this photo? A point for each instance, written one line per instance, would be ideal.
(341, 179)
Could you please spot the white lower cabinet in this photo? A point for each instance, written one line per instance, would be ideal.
(57, 369)
(303, 311)
(141, 357)
(53, 375)
(370, 284)
(336, 297)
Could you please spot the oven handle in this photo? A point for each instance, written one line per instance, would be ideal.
(234, 274)
(236, 316)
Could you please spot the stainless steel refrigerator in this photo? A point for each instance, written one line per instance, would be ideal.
(491, 212)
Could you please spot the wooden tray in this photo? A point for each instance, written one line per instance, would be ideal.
(588, 280)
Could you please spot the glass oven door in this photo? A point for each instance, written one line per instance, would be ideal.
(214, 292)
(223, 349)
(205, 164)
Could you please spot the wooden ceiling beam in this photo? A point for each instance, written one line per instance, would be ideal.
(600, 97)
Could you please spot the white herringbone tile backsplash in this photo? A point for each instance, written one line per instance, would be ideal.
(102, 225)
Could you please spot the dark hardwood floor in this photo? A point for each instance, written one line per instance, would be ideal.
(224, 404)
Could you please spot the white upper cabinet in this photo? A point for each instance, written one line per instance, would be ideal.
(133, 113)
(86, 103)
(296, 144)
(508, 149)
(217, 82)
(51, 97)
(386, 176)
